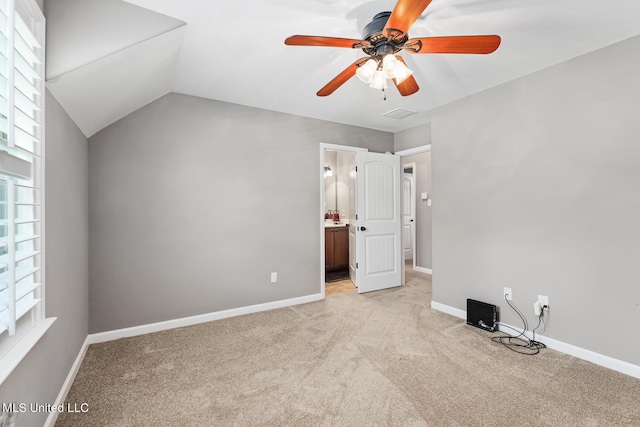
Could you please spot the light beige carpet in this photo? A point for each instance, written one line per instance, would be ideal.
(378, 359)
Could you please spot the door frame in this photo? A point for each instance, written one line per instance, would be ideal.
(323, 147)
(414, 194)
(405, 153)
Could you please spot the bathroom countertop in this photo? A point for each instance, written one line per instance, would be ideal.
(331, 224)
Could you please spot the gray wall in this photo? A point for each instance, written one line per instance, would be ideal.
(423, 211)
(40, 376)
(194, 202)
(413, 137)
(539, 190)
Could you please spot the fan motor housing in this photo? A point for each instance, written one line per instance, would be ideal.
(382, 44)
(375, 27)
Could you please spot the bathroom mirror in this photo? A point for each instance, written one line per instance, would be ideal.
(330, 180)
(336, 185)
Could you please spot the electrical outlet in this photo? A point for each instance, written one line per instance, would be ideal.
(507, 294)
(544, 301)
(274, 277)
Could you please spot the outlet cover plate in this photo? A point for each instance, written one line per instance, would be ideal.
(543, 300)
(507, 294)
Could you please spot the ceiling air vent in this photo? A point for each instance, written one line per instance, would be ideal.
(399, 113)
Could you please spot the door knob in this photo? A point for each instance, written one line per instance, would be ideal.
(363, 228)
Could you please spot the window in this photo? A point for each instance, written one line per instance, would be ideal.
(21, 180)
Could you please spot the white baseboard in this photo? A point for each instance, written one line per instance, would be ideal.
(456, 312)
(424, 270)
(194, 320)
(62, 395)
(579, 352)
(590, 356)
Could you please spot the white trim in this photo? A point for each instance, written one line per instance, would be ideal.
(194, 320)
(20, 343)
(588, 355)
(322, 273)
(456, 312)
(424, 270)
(338, 147)
(323, 147)
(23, 347)
(62, 395)
(570, 349)
(415, 150)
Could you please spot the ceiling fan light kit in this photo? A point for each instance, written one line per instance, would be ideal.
(365, 72)
(395, 69)
(386, 35)
(379, 80)
(375, 73)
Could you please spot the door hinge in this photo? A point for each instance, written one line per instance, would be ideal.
(356, 265)
(356, 169)
(356, 217)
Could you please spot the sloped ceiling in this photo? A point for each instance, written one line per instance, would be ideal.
(107, 58)
(235, 52)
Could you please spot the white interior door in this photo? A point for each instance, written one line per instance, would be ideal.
(379, 222)
(408, 203)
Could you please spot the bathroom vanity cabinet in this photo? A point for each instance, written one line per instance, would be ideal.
(336, 247)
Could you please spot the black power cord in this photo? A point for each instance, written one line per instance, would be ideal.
(520, 343)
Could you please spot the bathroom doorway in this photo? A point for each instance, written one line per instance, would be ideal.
(375, 249)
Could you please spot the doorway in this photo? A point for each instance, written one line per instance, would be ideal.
(337, 212)
(416, 163)
(375, 233)
(409, 213)
(337, 238)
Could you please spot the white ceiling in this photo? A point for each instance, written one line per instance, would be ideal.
(235, 52)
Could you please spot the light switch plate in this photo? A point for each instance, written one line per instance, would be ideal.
(429, 202)
(424, 196)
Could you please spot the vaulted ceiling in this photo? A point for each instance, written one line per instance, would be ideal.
(106, 58)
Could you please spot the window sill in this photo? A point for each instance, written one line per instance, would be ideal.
(12, 359)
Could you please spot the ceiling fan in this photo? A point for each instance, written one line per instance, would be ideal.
(387, 35)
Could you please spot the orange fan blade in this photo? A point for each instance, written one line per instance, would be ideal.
(454, 44)
(405, 14)
(341, 78)
(409, 86)
(326, 41)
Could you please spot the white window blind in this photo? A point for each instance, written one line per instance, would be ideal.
(21, 170)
